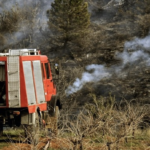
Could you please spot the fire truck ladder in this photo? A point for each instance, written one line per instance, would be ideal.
(13, 81)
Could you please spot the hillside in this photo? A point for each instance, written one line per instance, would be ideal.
(119, 42)
(113, 24)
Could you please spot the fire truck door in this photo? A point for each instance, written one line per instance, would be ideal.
(48, 84)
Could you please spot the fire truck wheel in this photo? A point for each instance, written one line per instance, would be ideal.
(1, 126)
(52, 121)
(56, 120)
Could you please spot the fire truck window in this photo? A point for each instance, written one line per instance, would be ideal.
(2, 71)
(47, 70)
(43, 71)
(2, 84)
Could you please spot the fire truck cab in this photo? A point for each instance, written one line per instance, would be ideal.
(26, 87)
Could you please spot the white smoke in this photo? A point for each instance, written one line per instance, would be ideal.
(131, 58)
(140, 54)
(7, 4)
(140, 48)
(99, 72)
(36, 15)
(113, 3)
(138, 42)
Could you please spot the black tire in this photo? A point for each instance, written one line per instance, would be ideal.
(52, 122)
(56, 120)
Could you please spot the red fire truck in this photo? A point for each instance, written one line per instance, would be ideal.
(27, 89)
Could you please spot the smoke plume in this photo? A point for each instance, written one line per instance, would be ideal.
(32, 20)
(98, 72)
(135, 52)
